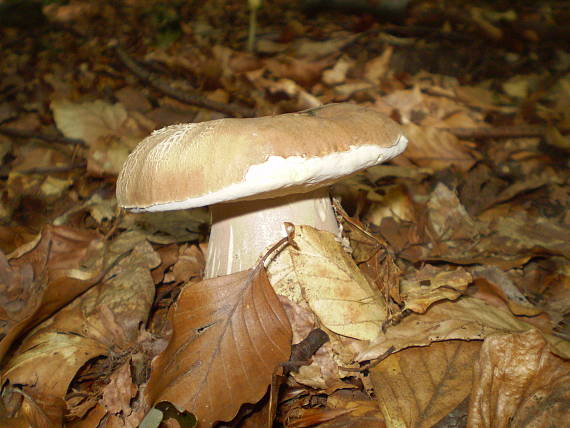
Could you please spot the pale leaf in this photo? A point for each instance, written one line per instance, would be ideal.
(88, 121)
(327, 278)
(431, 284)
(467, 319)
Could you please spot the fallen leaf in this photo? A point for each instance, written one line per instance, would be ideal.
(482, 98)
(106, 156)
(519, 383)
(103, 321)
(108, 130)
(190, 264)
(523, 234)
(375, 259)
(303, 72)
(88, 121)
(466, 319)
(169, 226)
(42, 276)
(377, 68)
(395, 202)
(321, 273)
(337, 74)
(118, 394)
(318, 49)
(229, 334)
(301, 417)
(431, 284)
(448, 219)
(437, 149)
(506, 289)
(417, 387)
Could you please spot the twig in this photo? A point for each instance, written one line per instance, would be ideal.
(16, 133)
(302, 352)
(53, 169)
(187, 98)
(523, 131)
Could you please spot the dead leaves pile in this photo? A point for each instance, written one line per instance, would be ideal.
(450, 304)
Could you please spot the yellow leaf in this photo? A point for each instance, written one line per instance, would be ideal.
(325, 276)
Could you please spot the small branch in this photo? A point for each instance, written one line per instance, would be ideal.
(302, 352)
(16, 133)
(53, 169)
(187, 98)
(523, 131)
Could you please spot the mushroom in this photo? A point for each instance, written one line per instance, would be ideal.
(256, 174)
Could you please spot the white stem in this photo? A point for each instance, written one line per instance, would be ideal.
(242, 231)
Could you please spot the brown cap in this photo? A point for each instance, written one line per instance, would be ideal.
(198, 164)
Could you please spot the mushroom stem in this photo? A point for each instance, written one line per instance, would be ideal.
(242, 231)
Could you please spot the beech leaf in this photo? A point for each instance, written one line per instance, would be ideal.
(103, 322)
(417, 387)
(229, 334)
(324, 275)
(518, 382)
(467, 318)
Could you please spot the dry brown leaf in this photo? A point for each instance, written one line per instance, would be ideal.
(88, 121)
(326, 277)
(501, 284)
(479, 188)
(374, 257)
(118, 395)
(302, 418)
(482, 98)
(417, 387)
(43, 275)
(466, 319)
(107, 129)
(519, 383)
(448, 219)
(30, 156)
(337, 74)
(318, 49)
(431, 284)
(19, 422)
(358, 401)
(103, 321)
(229, 334)
(437, 149)
(395, 201)
(406, 102)
(520, 233)
(107, 155)
(168, 226)
(303, 72)
(303, 99)
(550, 278)
(377, 68)
(190, 263)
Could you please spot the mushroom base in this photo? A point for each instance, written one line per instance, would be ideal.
(242, 231)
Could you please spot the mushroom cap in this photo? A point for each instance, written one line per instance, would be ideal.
(198, 164)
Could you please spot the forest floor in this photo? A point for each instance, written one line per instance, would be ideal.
(463, 241)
